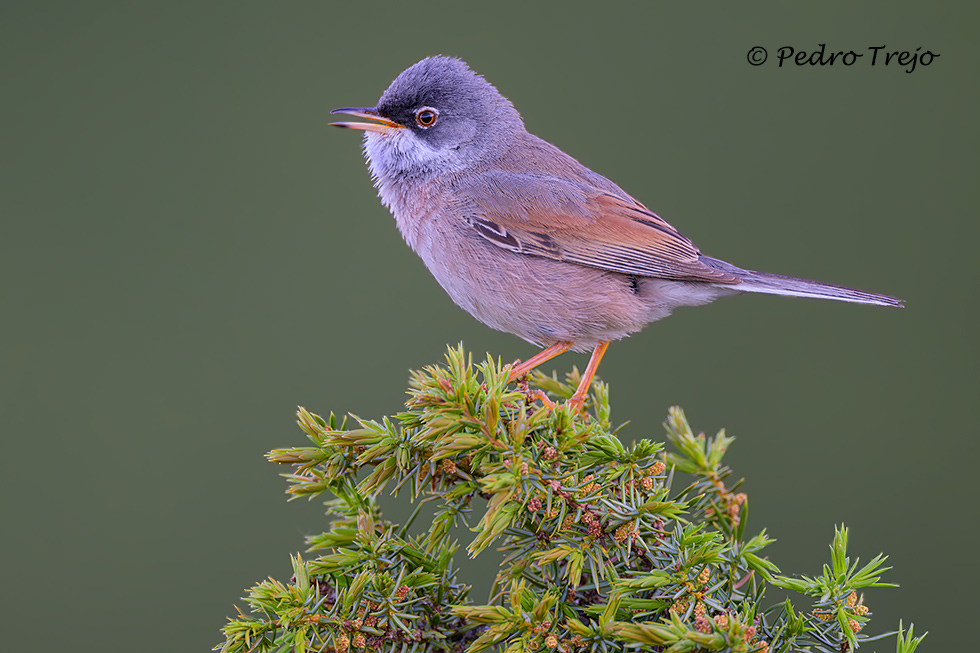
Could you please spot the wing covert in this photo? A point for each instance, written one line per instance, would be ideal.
(575, 222)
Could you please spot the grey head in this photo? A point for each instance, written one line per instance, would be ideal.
(437, 117)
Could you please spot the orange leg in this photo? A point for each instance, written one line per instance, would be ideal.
(578, 399)
(546, 355)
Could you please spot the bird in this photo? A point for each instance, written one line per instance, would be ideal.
(524, 237)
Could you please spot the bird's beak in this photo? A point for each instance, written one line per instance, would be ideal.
(382, 125)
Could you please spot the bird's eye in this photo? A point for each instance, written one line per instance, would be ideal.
(426, 117)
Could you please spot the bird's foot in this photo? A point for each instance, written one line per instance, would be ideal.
(545, 401)
(577, 402)
(530, 396)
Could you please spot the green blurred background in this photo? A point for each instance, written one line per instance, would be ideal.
(187, 252)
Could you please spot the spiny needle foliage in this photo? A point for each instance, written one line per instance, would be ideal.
(601, 553)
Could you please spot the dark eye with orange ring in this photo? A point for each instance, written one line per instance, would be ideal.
(426, 117)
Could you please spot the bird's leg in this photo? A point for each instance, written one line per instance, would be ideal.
(578, 399)
(521, 369)
(546, 355)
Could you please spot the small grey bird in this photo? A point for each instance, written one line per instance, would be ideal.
(524, 237)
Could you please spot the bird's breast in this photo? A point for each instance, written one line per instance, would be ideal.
(415, 206)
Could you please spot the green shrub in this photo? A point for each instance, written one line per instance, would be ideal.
(602, 552)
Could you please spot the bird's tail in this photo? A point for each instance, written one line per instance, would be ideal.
(775, 284)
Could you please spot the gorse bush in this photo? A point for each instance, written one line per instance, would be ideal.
(601, 551)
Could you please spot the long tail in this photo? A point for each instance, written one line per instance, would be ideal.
(775, 284)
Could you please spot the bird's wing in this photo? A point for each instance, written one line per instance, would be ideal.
(576, 222)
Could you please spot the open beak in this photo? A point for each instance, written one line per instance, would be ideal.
(381, 125)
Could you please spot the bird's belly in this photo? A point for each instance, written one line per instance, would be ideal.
(540, 300)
